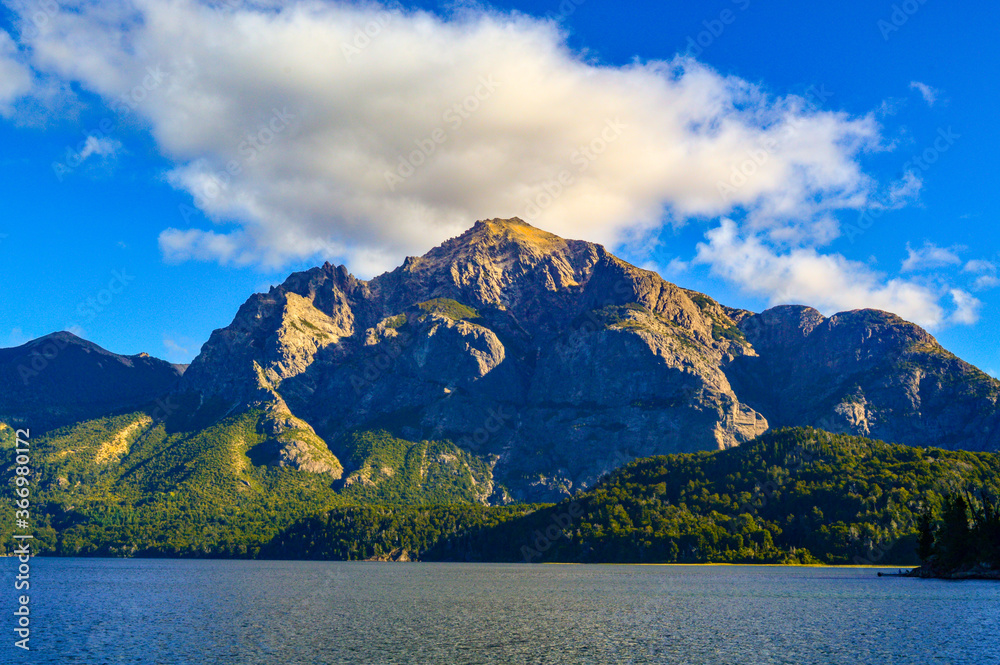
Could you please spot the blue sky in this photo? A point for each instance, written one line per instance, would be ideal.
(126, 247)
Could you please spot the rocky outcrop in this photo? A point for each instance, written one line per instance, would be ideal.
(292, 443)
(865, 372)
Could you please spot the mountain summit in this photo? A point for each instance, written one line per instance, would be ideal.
(552, 362)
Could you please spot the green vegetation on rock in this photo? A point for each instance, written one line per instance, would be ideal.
(450, 308)
(391, 470)
(130, 486)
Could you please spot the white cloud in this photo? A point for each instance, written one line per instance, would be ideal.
(986, 274)
(979, 266)
(16, 79)
(984, 282)
(102, 147)
(676, 267)
(966, 307)
(179, 349)
(905, 190)
(829, 282)
(929, 94)
(178, 246)
(929, 256)
(309, 117)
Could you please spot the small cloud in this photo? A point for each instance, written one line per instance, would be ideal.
(929, 256)
(102, 147)
(966, 307)
(121, 244)
(16, 338)
(889, 107)
(905, 189)
(929, 94)
(986, 274)
(677, 267)
(980, 266)
(226, 248)
(984, 282)
(179, 350)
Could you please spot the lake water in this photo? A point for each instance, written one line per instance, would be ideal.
(244, 612)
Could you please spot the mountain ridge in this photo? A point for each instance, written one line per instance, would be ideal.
(552, 362)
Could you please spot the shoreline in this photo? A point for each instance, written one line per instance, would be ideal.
(980, 572)
(544, 563)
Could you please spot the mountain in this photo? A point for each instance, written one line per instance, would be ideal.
(555, 362)
(508, 364)
(868, 373)
(60, 379)
(498, 339)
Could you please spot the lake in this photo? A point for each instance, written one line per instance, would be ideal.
(241, 612)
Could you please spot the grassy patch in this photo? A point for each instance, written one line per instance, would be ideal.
(450, 308)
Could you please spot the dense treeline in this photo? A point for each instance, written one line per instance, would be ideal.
(797, 495)
(384, 532)
(965, 542)
(791, 496)
(126, 486)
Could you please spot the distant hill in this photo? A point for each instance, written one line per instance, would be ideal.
(61, 379)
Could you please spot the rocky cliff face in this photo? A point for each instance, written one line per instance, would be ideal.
(865, 372)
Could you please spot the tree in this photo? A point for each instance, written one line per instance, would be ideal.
(954, 542)
(925, 539)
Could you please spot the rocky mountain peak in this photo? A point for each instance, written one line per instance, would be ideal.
(557, 361)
